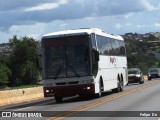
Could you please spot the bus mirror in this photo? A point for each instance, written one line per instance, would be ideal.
(95, 55)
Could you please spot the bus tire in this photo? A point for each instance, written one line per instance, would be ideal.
(98, 95)
(119, 86)
(58, 99)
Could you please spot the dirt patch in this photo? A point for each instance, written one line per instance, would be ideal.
(9, 97)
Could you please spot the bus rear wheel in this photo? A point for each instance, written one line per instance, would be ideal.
(119, 86)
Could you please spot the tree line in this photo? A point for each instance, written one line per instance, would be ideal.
(140, 53)
(20, 66)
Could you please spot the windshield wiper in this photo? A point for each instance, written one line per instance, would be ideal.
(60, 67)
(74, 71)
(57, 73)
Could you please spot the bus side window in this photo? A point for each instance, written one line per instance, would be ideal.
(116, 47)
(104, 45)
(122, 48)
(107, 46)
(99, 44)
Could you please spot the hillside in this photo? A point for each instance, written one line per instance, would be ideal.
(143, 50)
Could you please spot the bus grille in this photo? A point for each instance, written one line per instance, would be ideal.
(67, 83)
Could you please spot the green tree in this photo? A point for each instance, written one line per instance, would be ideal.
(5, 74)
(151, 37)
(138, 56)
(23, 61)
(158, 49)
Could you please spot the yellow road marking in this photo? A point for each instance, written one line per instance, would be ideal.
(106, 100)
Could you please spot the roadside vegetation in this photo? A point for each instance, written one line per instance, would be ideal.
(19, 68)
(141, 52)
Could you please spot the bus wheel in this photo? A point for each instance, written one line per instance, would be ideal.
(58, 99)
(98, 95)
(120, 86)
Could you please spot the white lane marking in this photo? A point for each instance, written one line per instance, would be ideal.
(21, 109)
(159, 119)
(33, 105)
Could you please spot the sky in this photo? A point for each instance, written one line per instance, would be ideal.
(34, 18)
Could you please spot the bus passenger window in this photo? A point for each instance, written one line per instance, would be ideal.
(122, 48)
(116, 47)
(104, 45)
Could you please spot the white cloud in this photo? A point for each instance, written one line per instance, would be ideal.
(63, 24)
(119, 26)
(46, 6)
(81, 2)
(140, 26)
(43, 7)
(157, 25)
(148, 5)
(34, 31)
(128, 24)
(89, 18)
(4, 37)
(128, 15)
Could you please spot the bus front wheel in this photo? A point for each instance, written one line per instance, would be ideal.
(98, 95)
(58, 99)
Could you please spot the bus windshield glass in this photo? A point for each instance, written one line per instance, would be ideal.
(66, 56)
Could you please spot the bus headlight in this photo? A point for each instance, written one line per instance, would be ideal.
(88, 88)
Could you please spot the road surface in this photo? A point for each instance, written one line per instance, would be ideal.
(140, 102)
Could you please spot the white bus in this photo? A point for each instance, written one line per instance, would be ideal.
(83, 62)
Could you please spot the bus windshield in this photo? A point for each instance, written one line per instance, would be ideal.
(66, 56)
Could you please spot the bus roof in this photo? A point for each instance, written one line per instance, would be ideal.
(82, 31)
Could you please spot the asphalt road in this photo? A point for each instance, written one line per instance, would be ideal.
(141, 102)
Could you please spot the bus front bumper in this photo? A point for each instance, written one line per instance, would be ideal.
(82, 89)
